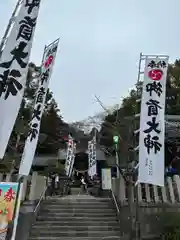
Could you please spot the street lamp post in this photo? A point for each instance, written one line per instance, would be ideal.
(116, 140)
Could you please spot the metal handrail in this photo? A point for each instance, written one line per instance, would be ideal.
(36, 208)
(40, 199)
(115, 201)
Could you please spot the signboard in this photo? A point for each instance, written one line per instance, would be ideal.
(152, 122)
(106, 178)
(8, 192)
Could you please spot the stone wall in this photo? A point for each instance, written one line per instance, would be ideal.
(151, 202)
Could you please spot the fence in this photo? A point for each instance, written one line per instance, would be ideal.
(152, 202)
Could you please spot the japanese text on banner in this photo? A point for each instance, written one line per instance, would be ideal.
(151, 142)
(34, 126)
(14, 66)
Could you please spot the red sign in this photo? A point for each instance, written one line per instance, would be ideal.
(48, 61)
(155, 74)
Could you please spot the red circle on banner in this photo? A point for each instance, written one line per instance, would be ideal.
(48, 61)
(155, 74)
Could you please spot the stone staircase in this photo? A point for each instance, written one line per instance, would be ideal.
(75, 190)
(76, 217)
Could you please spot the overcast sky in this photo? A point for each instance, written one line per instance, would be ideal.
(100, 45)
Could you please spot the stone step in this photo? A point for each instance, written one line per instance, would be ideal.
(78, 214)
(77, 228)
(75, 190)
(77, 210)
(71, 200)
(78, 205)
(70, 233)
(76, 202)
(103, 222)
(76, 219)
(60, 199)
(75, 238)
(79, 197)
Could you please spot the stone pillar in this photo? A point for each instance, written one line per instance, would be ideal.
(164, 194)
(139, 192)
(24, 187)
(1, 177)
(32, 194)
(171, 190)
(122, 191)
(114, 185)
(38, 185)
(8, 177)
(156, 195)
(177, 182)
(147, 191)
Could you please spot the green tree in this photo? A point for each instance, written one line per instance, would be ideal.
(51, 125)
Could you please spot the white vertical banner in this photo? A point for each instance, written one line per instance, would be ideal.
(13, 68)
(71, 148)
(34, 126)
(92, 164)
(106, 178)
(152, 122)
(73, 159)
